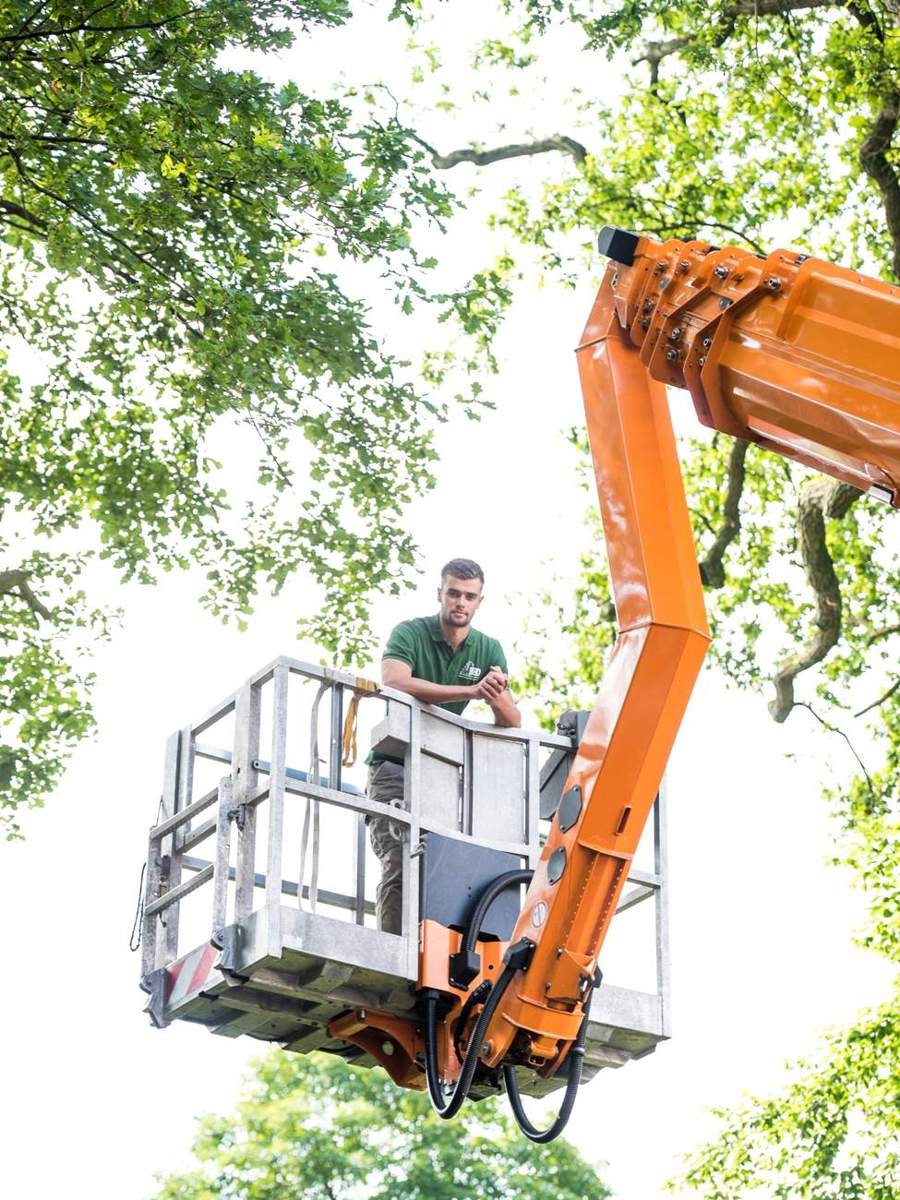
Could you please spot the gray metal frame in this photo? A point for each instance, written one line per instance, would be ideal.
(259, 936)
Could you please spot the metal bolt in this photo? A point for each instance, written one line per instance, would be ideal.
(659, 268)
(773, 282)
(683, 266)
(676, 334)
(648, 305)
(724, 302)
(645, 322)
(702, 359)
(672, 355)
(720, 272)
(361, 1015)
(707, 342)
(664, 282)
(486, 1048)
(387, 1047)
(614, 282)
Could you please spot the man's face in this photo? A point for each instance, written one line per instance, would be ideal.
(459, 600)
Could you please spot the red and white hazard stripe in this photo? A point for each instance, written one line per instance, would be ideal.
(188, 975)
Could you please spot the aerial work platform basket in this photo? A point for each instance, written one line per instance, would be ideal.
(259, 914)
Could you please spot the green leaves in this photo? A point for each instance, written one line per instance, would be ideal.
(185, 247)
(832, 1134)
(312, 1126)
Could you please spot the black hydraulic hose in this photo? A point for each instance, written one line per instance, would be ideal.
(476, 997)
(486, 899)
(449, 1108)
(562, 1119)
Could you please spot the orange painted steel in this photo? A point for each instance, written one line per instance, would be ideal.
(789, 351)
(794, 353)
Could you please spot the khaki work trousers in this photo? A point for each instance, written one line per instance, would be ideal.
(386, 836)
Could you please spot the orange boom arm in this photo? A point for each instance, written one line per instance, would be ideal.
(789, 351)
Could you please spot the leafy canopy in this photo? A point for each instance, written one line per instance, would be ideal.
(312, 1126)
(189, 373)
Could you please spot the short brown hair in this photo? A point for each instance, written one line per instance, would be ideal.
(462, 568)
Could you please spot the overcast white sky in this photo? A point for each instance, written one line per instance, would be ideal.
(94, 1100)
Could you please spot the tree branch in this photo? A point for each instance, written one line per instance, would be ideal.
(84, 27)
(881, 633)
(12, 582)
(820, 499)
(875, 703)
(834, 729)
(483, 158)
(655, 52)
(35, 223)
(712, 571)
(873, 158)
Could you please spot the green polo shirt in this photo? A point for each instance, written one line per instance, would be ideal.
(421, 644)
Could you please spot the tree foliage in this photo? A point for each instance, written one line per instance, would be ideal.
(189, 371)
(312, 1126)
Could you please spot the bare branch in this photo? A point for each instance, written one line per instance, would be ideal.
(834, 729)
(483, 158)
(820, 499)
(712, 571)
(875, 703)
(873, 158)
(12, 582)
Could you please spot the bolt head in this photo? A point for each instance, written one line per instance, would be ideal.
(676, 334)
(720, 272)
(773, 282)
(724, 302)
(702, 360)
(645, 322)
(707, 342)
(671, 355)
(387, 1047)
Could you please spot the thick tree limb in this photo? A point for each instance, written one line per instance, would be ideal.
(16, 582)
(873, 158)
(655, 52)
(821, 499)
(712, 570)
(483, 158)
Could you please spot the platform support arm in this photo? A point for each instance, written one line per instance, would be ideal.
(663, 637)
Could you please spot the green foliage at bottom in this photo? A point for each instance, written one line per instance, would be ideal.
(314, 1127)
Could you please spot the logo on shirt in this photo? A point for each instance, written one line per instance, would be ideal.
(470, 671)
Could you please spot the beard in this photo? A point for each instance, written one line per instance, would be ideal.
(457, 619)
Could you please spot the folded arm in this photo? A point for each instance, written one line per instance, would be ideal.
(493, 689)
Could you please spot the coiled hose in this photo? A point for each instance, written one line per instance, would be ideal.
(449, 1108)
(576, 1061)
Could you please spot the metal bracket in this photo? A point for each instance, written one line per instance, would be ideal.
(155, 985)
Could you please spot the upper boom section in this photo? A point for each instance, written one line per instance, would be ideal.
(786, 350)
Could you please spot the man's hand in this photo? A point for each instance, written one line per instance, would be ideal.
(491, 687)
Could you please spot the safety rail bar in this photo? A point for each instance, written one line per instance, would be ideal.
(252, 782)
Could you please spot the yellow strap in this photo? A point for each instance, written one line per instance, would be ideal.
(364, 687)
